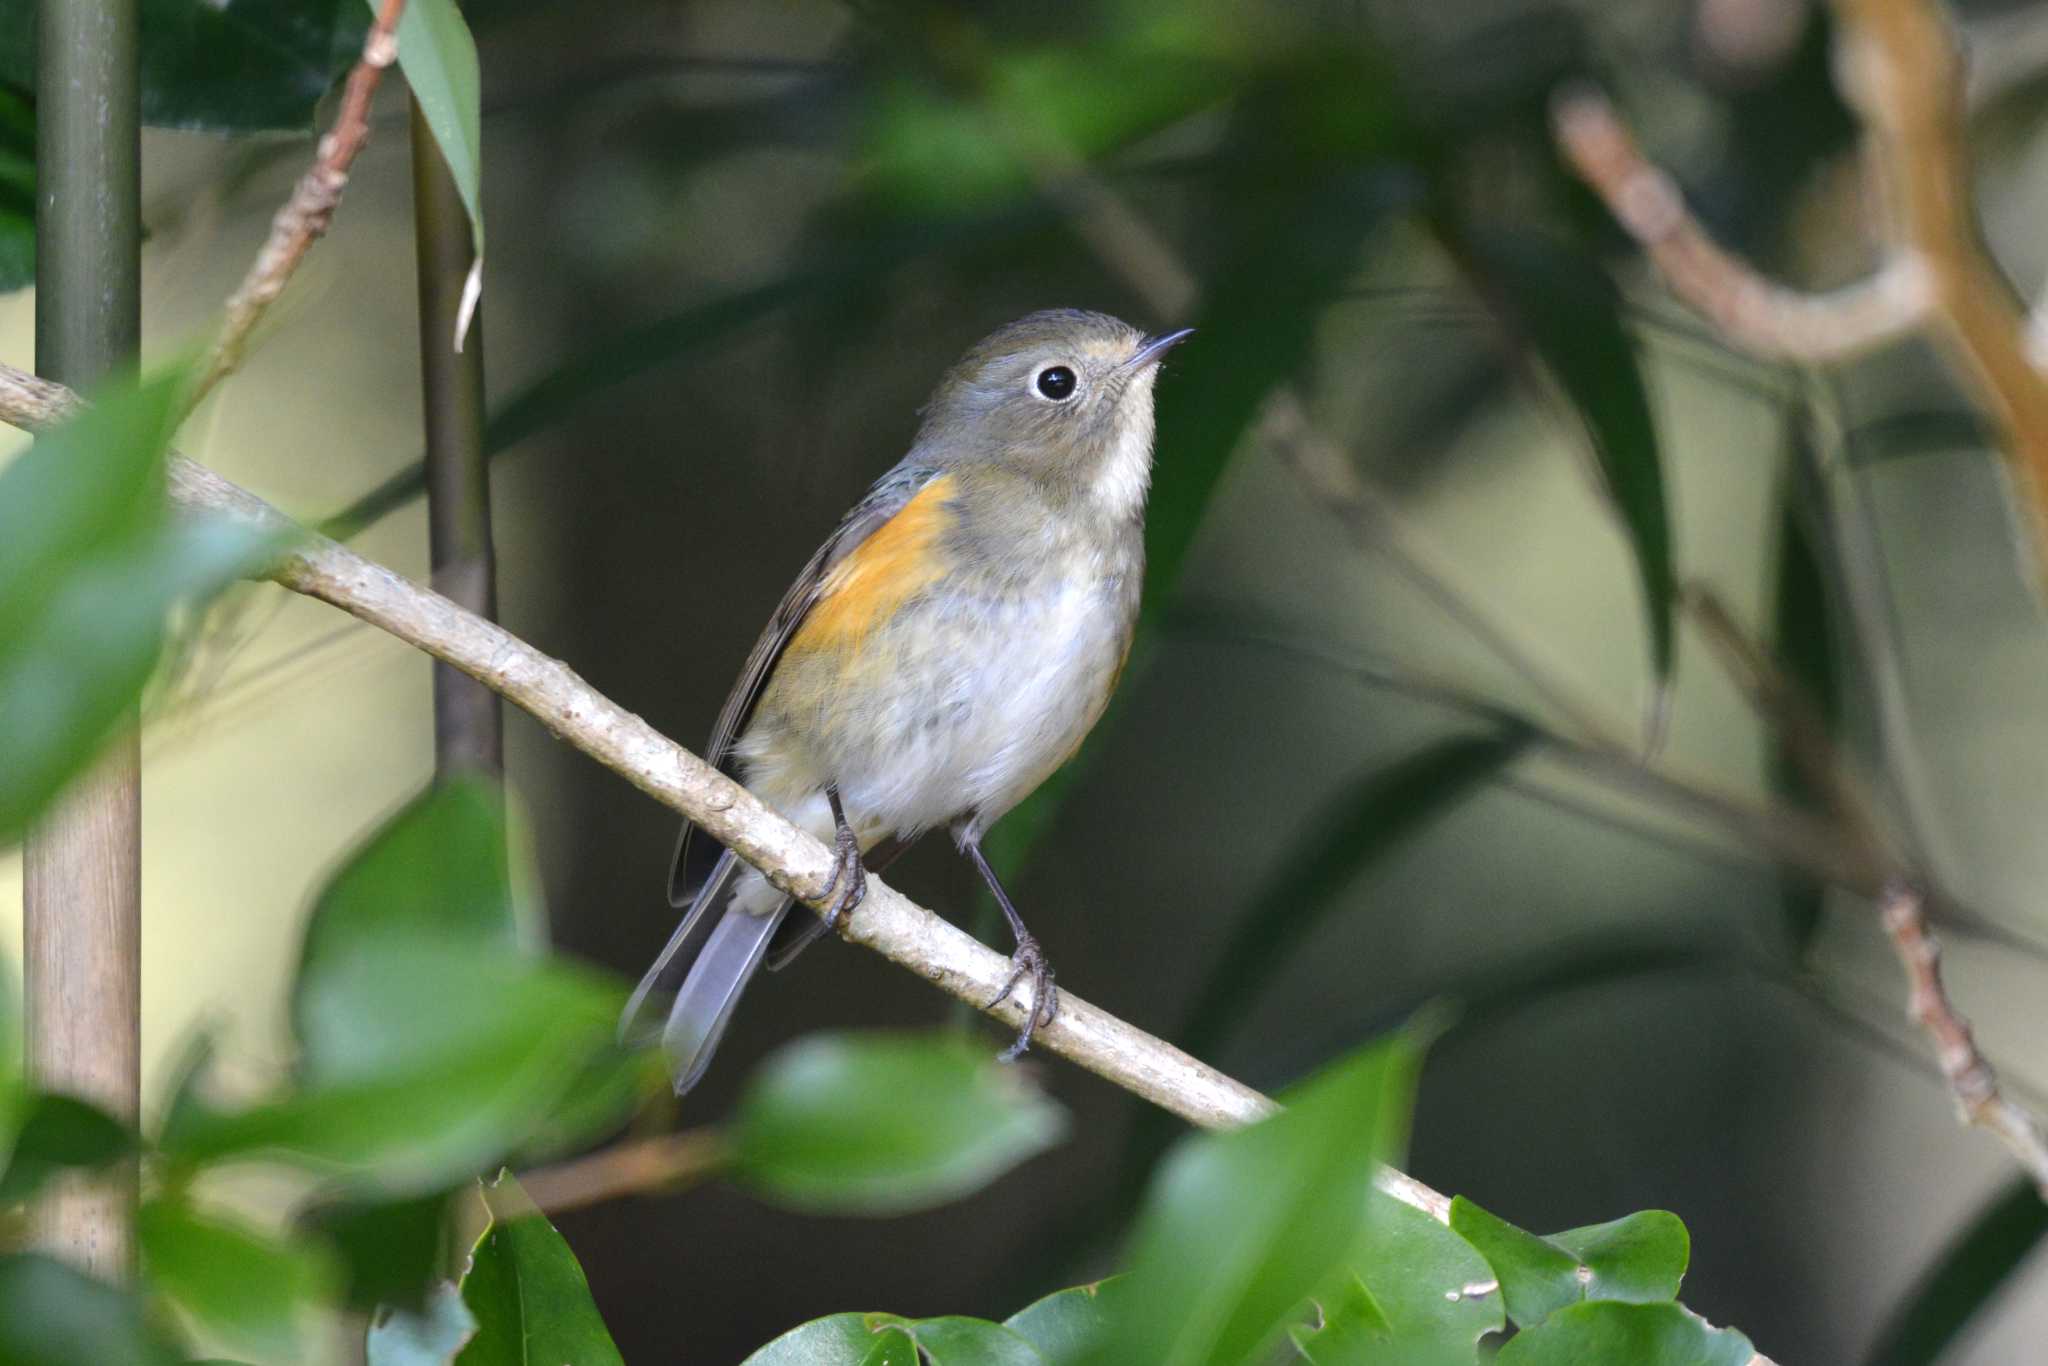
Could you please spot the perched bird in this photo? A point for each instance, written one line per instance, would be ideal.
(946, 649)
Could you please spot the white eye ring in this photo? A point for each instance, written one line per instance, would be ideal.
(1055, 384)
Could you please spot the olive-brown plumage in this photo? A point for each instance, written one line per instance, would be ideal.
(947, 648)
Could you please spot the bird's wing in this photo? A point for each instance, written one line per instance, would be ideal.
(882, 502)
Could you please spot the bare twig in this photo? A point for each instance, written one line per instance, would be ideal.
(1758, 315)
(1970, 1078)
(306, 214)
(664, 1162)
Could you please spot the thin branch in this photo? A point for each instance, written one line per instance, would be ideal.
(310, 209)
(664, 1163)
(1970, 1078)
(1756, 314)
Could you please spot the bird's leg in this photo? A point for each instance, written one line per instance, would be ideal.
(846, 865)
(1028, 960)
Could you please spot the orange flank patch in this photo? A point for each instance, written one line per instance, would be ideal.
(896, 561)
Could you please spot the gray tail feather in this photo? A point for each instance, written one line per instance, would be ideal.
(707, 963)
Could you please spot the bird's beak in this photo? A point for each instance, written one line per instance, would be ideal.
(1156, 347)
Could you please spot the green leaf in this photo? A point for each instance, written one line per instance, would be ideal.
(390, 1250)
(530, 1299)
(1242, 1227)
(221, 66)
(1963, 1279)
(1638, 1259)
(56, 1132)
(439, 59)
(17, 187)
(51, 1315)
(890, 1340)
(840, 1340)
(432, 1337)
(1803, 642)
(1416, 1294)
(1639, 1334)
(1537, 1277)
(1069, 1326)
(884, 1122)
(1564, 306)
(90, 563)
(251, 1290)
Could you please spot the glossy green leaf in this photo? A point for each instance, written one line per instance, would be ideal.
(390, 1250)
(1069, 1326)
(958, 1341)
(248, 1289)
(1413, 1294)
(529, 1298)
(1563, 305)
(1242, 1227)
(432, 1337)
(438, 56)
(90, 563)
(840, 1340)
(221, 66)
(1637, 1259)
(1639, 1334)
(1959, 1283)
(885, 1122)
(51, 1315)
(53, 1133)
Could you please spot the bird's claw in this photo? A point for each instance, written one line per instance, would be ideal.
(1028, 961)
(848, 885)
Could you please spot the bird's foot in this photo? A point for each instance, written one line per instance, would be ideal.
(1029, 961)
(848, 885)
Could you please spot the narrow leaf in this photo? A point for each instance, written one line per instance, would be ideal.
(1976, 1264)
(530, 1299)
(438, 55)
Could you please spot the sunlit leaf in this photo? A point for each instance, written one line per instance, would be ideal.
(1563, 305)
(251, 1290)
(885, 1122)
(56, 1132)
(1639, 1334)
(1969, 1272)
(51, 1315)
(840, 1340)
(1242, 1227)
(529, 1297)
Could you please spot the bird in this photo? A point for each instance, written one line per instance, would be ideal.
(947, 648)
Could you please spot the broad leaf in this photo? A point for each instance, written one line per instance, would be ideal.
(1639, 1334)
(90, 562)
(883, 1122)
(56, 1132)
(1069, 1326)
(890, 1340)
(390, 1250)
(1639, 1259)
(1413, 1294)
(221, 66)
(1242, 1227)
(247, 1288)
(51, 1315)
(529, 1298)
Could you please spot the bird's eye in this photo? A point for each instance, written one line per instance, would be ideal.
(1056, 382)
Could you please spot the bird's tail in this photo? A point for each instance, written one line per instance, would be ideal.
(714, 952)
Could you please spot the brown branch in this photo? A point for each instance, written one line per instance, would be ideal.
(665, 1162)
(1975, 1086)
(310, 209)
(1903, 73)
(1755, 314)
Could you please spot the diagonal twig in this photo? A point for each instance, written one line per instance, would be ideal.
(305, 215)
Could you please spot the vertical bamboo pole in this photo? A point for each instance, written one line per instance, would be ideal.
(468, 724)
(82, 871)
